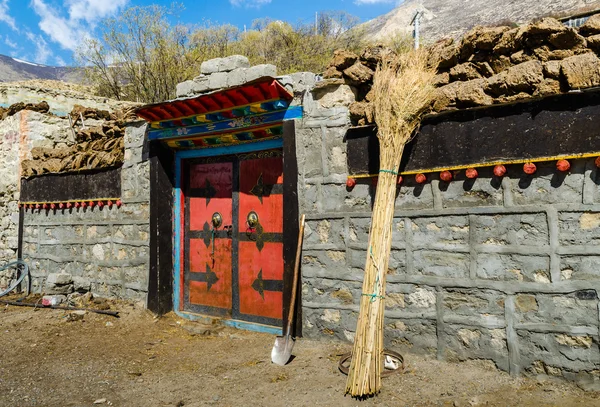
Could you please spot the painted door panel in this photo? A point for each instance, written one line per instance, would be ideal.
(261, 280)
(235, 273)
(261, 248)
(208, 250)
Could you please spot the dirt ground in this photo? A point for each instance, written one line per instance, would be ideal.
(139, 360)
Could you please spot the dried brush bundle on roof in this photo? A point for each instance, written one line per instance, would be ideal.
(403, 92)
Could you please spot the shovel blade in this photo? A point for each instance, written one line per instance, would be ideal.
(282, 350)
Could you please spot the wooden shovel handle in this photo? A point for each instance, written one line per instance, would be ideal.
(295, 280)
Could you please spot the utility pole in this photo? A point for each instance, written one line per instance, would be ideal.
(416, 22)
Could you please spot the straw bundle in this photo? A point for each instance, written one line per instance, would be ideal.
(403, 92)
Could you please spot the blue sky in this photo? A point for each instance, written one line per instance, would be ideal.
(48, 31)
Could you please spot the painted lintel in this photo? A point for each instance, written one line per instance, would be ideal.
(246, 122)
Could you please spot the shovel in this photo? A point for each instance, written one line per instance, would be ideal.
(282, 350)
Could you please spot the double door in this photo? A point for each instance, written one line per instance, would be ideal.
(233, 237)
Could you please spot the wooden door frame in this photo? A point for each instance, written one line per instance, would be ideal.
(164, 273)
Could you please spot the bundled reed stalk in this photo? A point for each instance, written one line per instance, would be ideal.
(403, 92)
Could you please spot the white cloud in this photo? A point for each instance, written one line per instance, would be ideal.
(10, 43)
(94, 10)
(59, 61)
(5, 17)
(249, 3)
(42, 49)
(82, 17)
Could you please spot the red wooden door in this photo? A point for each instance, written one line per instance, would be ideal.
(260, 266)
(208, 247)
(235, 270)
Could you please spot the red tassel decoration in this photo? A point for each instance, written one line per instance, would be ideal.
(77, 204)
(471, 173)
(83, 205)
(529, 168)
(350, 183)
(38, 206)
(446, 176)
(399, 180)
(597, 162)
(119, 203)
(91, 204)
(499, 170)
(563, 165)
(45, 206)
(52, 206)
(420, 178)
(69, 205)
(100, 204)
(110, 204)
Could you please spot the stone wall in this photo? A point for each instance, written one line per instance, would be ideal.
(102, 250)
(505, 272)
(62, 97)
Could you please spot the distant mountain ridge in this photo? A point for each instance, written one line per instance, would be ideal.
(452, 18)
(13, 70)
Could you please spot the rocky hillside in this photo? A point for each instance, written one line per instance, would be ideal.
(452, 18)
(12, 70)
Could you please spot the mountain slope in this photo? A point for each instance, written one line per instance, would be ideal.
(451, 18)
(12, 70)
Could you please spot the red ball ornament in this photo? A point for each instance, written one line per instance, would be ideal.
(499, 170)
(45, 206)
(420, 178)
(446, 176)
(91, 204)
(350, 183)
(83, 205)
(77, 204)
(38, 206)
(69, 205)
(471, 173)
(529, 168)
(110, 204)
(597, 162)
(399, 180)
(100, 204)
(61, 205)
(52, 206)
(119, 203)
(563, 165)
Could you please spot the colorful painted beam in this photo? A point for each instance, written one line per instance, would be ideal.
(228, 125)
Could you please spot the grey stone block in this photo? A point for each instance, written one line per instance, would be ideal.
(81, 284)
(200, 84)
(184, 89)
(236, 77)
(218, 80)
(233, 62)
(259, 71)
(210, 66)
(59, 278)
(506, 267)
(441, 264)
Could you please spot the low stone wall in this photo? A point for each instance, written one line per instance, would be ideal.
(102, 250)
(501, 271)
